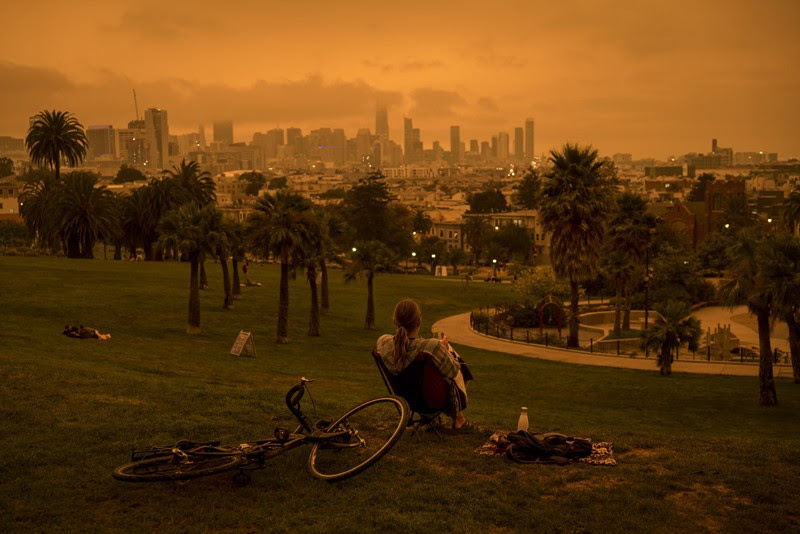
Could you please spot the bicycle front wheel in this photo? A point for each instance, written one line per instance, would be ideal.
(373, 428)
(174, 467)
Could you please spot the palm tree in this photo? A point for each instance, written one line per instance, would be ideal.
(620, 269)
(421, 221)
(279, 226)
(236, 239)
(576, 200)
(368, 258)
(672, 327)
(630, 233)
(780, 274)
(37, 205)
(56, 136)
(219, 231)
(193, 185)
(478, 232)
(332, 228)
(85, 212)
(791, 210)
(185, 229)
(747, 287)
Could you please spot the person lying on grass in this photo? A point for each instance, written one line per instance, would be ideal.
(399, 350)
(84, 332)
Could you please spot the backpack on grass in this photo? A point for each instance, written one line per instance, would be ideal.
(550, 448)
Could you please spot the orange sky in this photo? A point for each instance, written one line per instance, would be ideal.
(654, 78)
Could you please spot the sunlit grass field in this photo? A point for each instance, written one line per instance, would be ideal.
(695, 453)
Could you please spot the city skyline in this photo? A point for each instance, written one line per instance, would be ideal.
(647, 80)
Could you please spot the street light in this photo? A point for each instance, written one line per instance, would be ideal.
(354, 249)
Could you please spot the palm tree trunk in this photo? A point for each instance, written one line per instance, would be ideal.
(325, 304)
(794, 344)
(626, 308)
(767, 394)
(118, 250)
(283, 300)
(369, 322)
(237, 283)
(313, 321)
(665, 359)
(226, 280)
(572, 340)
(194, 296)
(617, 310)
(203, 276)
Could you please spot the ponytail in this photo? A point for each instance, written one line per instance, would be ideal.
(407, 316)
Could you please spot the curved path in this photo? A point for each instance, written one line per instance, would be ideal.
(458, 331)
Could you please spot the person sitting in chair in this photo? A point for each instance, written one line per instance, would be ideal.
(399, 350)
(84, 332)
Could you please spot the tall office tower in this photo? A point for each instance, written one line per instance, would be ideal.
(528, 141)
(201, 136)
(455, 145)
(274, 140)
(502, 146)
(494, 146)
(473, 147)
(363, 143)
(131, 145)
(156, 131)
(486, 150)
(713, 146)
(294, 139)
(339, 146)
(223, 132)
(101, 141)
(408, 140)
(382, 123)
(519, 144)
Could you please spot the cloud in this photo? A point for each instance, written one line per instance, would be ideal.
(403, 67)
(487, 104)
(431, 103)
(109, 99)
(168, 22)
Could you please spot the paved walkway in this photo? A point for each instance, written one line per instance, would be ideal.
(458, 331)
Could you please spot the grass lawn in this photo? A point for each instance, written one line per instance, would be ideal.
(695, 453)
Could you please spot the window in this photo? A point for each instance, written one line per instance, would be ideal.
(449, 234)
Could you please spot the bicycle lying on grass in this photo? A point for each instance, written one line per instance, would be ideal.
(340, 449)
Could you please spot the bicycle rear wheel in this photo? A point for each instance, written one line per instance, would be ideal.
(174, 467)
(375, 426)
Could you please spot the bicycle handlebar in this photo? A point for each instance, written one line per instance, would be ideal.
(293, 397)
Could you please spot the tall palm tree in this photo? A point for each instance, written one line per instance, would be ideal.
(332, 228)
(791, 210)
(672, 327)
(577, 197)
(620, 270)
(85, 212)
(368, 258)
(630, 233)
(746, 287)
(186, 230)
(55, 137)
(236, 239)
(421, 221)
(780, 274)
(279, 226)
(219, 231)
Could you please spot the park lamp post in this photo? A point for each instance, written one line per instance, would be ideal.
(494, 268)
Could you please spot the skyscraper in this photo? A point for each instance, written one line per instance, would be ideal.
(519, 144)
(223, 132)
(528, 141)
(502, 146)
(408, 140)
(455, 145)
(156, 132)
(101, 141)
(382, 123)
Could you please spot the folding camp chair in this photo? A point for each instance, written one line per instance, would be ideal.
(423, 387)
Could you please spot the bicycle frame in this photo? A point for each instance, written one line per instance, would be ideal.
(254, 454)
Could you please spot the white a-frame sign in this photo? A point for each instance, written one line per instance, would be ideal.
(244, 345)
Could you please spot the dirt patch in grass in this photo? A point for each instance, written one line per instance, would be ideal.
(706, 504)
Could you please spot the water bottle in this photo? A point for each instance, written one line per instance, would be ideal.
(522, 424)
